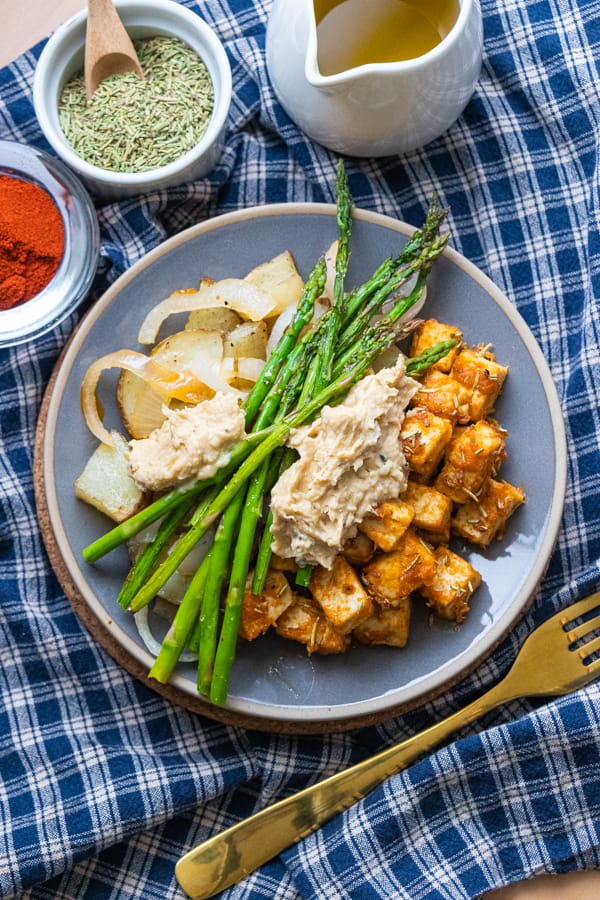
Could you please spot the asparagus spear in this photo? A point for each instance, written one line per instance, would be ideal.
(225, 652)
(304, 312)
(416, 256)
(211, 599)
(279, 369)
(182, 625)
(317, 377)
(300, 367)
(141, 568)
(326, 352)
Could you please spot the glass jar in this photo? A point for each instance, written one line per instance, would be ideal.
(73, 278)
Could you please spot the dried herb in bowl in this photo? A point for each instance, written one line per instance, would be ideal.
(131, 125)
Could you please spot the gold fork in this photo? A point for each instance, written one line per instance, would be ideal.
(553, 661)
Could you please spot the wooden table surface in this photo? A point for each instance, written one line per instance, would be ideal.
(26, 23)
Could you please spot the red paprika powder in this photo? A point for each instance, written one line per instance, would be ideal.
(32, 238)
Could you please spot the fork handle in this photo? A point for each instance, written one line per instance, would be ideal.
(233, 854)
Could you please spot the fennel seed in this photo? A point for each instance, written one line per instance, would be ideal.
(131, 125)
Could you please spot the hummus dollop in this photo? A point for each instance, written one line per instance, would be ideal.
(192, 442)
(351, 460)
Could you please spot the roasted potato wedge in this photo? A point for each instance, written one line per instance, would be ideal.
(279, 278)
(139, 406)
(106, 481)
(248, 339)
(213, 319)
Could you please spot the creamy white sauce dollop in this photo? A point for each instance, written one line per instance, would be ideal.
(192, 442)
(351, 460)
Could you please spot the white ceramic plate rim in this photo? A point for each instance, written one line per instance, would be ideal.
(409, 694)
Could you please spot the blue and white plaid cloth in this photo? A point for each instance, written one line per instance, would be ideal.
(103, 784)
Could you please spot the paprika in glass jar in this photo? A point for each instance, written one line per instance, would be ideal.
(32, 240)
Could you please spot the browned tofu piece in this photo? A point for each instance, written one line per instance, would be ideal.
(432, 509)
(478, 371)
(424, 437)
(454, 582)
(305, 622)
(432, 332)
(261, 611)
(444, 396)
(340, 594)
(391, 577)
(359, 549)
(473, 456)
(482, 520)
(388, 523)
(386, 626)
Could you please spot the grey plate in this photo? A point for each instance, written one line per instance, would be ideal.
(274, 679)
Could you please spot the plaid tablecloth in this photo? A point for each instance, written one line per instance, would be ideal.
(103, 784)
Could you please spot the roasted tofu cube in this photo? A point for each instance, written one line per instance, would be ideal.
(340, 595)
(432, 332)
(478, 371)
(261, 611)
(451, 589)
(473, 456)
(359, 549)
(482, 520)
(424, 437)
(305, 622)
(432, 509)
(389, 627)
(444, 396)
(388, 523)
(391, 577)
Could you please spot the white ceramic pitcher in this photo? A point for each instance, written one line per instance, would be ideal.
(374, 109)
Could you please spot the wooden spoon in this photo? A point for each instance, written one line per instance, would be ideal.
(108, 47)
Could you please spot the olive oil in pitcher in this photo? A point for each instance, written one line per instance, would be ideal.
(359, 32)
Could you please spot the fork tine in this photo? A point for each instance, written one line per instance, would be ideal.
(581, 631)
(579, 608)
(587, 649)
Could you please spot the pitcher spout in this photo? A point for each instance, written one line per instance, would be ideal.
(326, 82)
(343, 80)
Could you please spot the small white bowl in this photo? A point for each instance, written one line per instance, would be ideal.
(63, 56)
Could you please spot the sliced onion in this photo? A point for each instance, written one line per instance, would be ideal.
(406, 289)
(387, 359)
(189, 565)
(153, 645)
(184, 386)
(147, 414)
(246, 367)
(320, 309)
(414, 311)
(283, 320)
(241, 296)
(330, 258)
(279, 325)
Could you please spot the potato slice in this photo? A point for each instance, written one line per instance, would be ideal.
(106, 482)
(280, 279)
(247, 340)
(200, 351)
(230, 293)
(213, 319)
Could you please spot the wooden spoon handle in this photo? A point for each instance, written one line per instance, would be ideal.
(108, 47)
